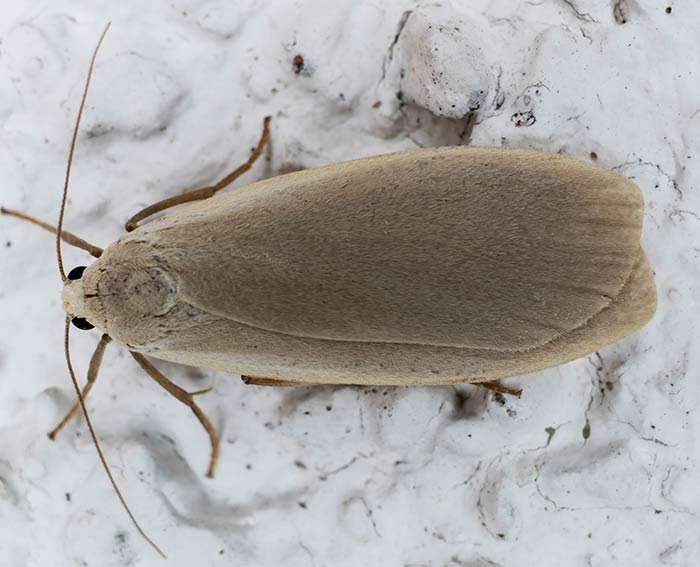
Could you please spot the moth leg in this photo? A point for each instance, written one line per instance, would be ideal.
(67, 237)
(187, 399)
(496, 387)
(204, 192)
(93, 369)
(255, 381)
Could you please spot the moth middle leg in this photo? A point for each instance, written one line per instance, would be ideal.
(186, 398)
(204, 192)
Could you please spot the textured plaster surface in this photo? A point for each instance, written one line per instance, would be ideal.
(597, 464)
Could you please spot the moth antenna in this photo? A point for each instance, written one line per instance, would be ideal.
(66, 335)
(72, 151)
(66, 347)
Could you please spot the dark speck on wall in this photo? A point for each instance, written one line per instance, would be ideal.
(298, 64)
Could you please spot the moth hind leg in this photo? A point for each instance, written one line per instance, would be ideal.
(257, 381)
(204, 192)
(499, 388)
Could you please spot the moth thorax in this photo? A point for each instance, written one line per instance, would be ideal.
(138, 292)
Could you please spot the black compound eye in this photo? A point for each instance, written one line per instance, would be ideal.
(76, 273)
(81, 323)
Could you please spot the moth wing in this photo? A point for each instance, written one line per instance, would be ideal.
(478, 248)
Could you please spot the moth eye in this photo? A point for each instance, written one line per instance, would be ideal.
(76, 273)
(81, 323)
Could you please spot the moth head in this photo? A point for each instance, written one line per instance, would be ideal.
(124, 293)
(75, 302)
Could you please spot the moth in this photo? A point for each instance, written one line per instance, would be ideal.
(423, 267)
(433, 266)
